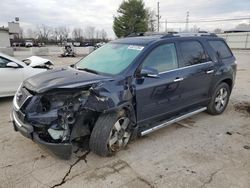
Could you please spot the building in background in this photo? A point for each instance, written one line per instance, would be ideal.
(6, 34)
(4, 37)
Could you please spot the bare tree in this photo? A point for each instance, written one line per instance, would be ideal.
(89, 32)
(56, 34)
(151, 20)
(194, 29)
(63, 33)
(218, 30)
(43, 32)
(77, 34)
(103, 34)
(21, 33)
(30, 33)
(97, 34)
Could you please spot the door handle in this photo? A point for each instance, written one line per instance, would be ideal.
(210, 71)
(178, 79)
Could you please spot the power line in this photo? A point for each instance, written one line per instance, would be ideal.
(215, 20)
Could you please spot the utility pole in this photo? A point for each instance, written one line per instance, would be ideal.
(187, 21)
(166, 25)
(158, 16)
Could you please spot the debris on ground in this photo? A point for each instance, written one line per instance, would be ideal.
(246, 147)
(243, 107)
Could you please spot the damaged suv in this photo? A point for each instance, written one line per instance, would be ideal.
(129, 87)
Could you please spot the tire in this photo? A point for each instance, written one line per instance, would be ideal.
(105, 133)
(216, 105)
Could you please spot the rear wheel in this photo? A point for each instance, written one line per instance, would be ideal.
(219, 99)
(110, 134)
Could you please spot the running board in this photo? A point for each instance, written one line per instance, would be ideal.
(172, 121)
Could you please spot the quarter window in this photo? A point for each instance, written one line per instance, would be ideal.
(192, 53)
(162, 58)
(221, 48)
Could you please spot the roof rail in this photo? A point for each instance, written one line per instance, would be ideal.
(172, 34)
(199, 34)
(140, 34)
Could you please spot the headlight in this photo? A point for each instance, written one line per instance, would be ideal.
(17, 95)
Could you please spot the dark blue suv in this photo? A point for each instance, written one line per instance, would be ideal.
(129, 87)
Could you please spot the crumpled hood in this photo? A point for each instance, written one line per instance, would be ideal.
(66, 77)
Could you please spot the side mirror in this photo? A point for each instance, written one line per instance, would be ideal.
(12, 65)
(149, 72)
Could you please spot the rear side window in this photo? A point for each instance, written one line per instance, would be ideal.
(221, 48)
(192, 53)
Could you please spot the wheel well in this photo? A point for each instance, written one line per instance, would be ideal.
(229, 82)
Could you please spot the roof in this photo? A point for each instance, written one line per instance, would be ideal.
(147, 39)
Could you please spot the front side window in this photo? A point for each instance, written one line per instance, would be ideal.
(162, 58)
(3, 62)
(192, 53)
(111, 58)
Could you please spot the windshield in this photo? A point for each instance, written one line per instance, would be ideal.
(110, 59)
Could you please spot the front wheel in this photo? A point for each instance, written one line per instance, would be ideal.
(219, 99)
(110, 134)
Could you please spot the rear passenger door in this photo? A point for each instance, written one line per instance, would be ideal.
(197, 72)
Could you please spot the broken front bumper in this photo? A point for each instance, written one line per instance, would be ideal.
(62, 150)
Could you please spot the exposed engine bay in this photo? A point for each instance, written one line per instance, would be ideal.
(60, 107)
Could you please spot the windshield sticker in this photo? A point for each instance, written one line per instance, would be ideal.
(133, 47)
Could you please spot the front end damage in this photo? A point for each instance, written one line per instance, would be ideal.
(58, 118)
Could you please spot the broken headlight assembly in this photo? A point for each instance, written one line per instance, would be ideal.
(64, 107)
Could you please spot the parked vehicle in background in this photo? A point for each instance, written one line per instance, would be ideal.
(129, 87)
(76, 44)
(13, 72)
(28, 43)
(98, 45)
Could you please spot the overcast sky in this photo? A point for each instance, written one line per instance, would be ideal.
(99, 13)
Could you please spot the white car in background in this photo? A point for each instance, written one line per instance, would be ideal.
(13, 72)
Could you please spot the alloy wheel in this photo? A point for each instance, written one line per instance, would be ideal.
(120, 134)
(221, 99)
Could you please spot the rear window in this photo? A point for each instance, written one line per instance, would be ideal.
(221, 48)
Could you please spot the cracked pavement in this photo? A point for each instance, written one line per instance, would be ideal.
(202, 151)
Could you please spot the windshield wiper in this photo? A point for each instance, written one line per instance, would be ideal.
(87, 70)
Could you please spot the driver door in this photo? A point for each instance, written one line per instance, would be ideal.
(160, 95)
(10, 78)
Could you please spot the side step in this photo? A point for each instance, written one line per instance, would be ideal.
(172, 121)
